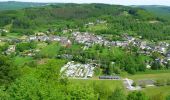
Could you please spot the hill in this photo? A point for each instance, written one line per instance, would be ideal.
(57, 17)
(162, 11)
(12, 5)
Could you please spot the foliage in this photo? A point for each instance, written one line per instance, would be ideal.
(137, 96)
(25, 46)
(8, 72)
(118, 94)
(160, 82)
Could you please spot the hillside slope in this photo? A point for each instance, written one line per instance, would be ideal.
(12, 5)
(120, 19)
(162, 11)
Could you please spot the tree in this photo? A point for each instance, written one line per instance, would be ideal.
(156, 65)
(118, 94)
(137, 96)
(143, 85)
(8, 72)
(168, 65)
(110, 69)
(4, 47)
(168, 97)
(134, 84)
(25, 46)
(81, 92)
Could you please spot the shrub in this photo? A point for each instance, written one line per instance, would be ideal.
(160, 82)
(143, 85)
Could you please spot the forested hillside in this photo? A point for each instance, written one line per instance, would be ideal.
(162, 11)
(120, 19)
(12, 5)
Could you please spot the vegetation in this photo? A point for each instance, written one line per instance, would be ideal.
(32, 70)
(120, 20)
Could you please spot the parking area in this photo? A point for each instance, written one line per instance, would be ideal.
(77, 70)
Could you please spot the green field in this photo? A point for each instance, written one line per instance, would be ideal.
(111, 84)
(152, 91)
(151, 75)
(106, 87)
(98, 27)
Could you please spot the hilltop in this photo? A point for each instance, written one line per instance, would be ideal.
(12, 5)
(162, 11)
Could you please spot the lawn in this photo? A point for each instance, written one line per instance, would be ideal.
(160, 74)
(152, 91)
(2, 43)
(97, 27)
(155, 75)
(111, 84)
(13, 35)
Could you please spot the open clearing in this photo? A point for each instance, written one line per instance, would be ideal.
(152, 91)
(110, 84)
(153, 75)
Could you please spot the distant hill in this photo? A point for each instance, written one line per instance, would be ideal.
(12, 5)
(162, 11)
(58, 17)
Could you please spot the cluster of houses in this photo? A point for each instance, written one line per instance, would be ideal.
(146, 48)
(97, 22)
(63, 40)
(77, 70)
(88, 38)
(3, 31)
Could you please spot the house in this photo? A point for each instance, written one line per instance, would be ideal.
(32, 38)
(40, 34)
(3, 30)
(65, 42)
(148, 66)
(168, 55)
(11, 49)
(101, 21)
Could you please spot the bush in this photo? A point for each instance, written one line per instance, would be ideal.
(143, 85)
(168, 82)
(137, 96)
(168, 97)
(160, 82)
(134, 84)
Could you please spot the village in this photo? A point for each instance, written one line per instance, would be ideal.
(77, 70)
(88, 39)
